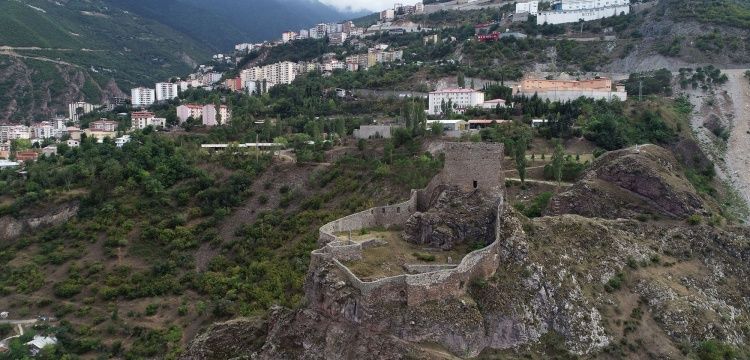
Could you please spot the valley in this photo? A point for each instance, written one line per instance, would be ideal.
(434, 181)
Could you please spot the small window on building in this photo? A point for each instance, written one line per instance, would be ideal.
(383, 210)
(475, 184)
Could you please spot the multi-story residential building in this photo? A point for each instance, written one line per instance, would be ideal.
(46, 130)
(419, 8)
(303, 34)
(14, 132)
(208, 113)
(212, 117)
(459, 99)
(103, 125)
(278, 73)
(78, 109)
(211, 78)
(337, 38)
(321, 30)
(166, 91)
(244, 47)
(387, 15)
(189, 111)
(531, 7)
(102, 129)
(288, 36)
(142, 119)
(142, 97)
(234, 84)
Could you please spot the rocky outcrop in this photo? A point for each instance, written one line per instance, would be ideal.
(631, 182)
(456, 218)
(12, 228)
(234, 339)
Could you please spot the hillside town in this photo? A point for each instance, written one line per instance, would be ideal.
(43, 138)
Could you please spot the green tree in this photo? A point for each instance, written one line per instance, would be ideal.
(519, 154)
(557, 162)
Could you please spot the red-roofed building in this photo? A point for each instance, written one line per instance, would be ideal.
(25, 156)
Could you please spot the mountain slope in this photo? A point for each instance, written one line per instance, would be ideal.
(222, 23)
(93, 49)
(57, 52)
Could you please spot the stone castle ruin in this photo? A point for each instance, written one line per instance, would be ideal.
(462, 207)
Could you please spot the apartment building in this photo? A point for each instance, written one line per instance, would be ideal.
(208, 113)
(142, 119)
(142, 97)
(166, 91)
(278, 73)
(14, 132)
(78, 109)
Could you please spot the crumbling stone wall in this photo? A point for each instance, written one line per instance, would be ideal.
(471, 167)
(381, 216)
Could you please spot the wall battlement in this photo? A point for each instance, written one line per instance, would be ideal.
(469, 166)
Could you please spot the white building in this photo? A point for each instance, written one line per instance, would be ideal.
(166, 91)
(142, 97)
(387, 15)
(278, 73)
(459, 99)
(46, 130)
(531, 7)
(78, 109)
(211, 78)
(568, 5)
(143, 119)
(586, 14)
(207, 113)
(244, 47)
(288, 36)
(14, 132)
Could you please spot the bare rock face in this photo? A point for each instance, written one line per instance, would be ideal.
(234, 339)
(11, 228)
(630, 182)
(456, 218)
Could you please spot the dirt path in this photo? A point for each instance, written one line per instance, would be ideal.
(738, 147)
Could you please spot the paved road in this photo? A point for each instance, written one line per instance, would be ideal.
(19, 324)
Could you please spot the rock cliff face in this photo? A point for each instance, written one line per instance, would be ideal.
(634, 289)
(457, 218)
(630, 182)
(11, 228)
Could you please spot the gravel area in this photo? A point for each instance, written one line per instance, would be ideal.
(738, 147)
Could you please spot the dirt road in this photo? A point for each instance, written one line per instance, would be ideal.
(738, 147)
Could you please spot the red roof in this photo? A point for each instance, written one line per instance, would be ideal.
(142, 114)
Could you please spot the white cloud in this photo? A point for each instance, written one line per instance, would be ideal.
(372, 5)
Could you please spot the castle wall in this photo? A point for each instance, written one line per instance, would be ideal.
(470, 166)
(381, 216)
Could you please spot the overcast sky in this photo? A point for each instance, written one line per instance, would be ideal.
(372, 5)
